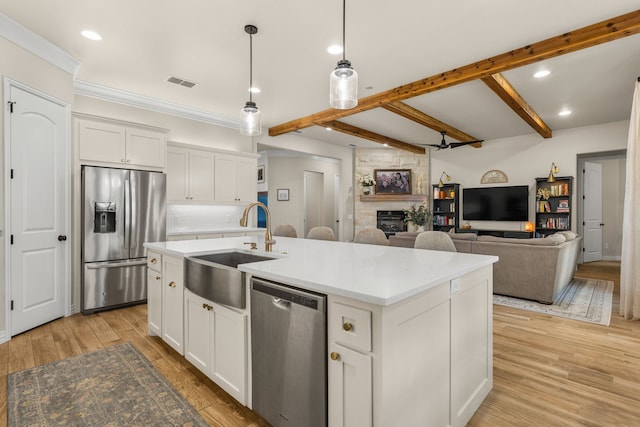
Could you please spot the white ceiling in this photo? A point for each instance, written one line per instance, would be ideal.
(388, 43)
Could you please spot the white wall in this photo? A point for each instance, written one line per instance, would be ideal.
(526, 157)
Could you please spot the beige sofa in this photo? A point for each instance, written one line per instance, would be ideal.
(535, 269)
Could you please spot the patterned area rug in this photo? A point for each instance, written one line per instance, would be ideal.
(588, 300)
(115, 386)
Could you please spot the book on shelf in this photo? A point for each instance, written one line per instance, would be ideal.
(563, 205)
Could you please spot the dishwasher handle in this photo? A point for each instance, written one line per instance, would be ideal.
(281, 304)
(283, 296)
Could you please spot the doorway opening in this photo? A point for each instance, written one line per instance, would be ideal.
(603, 239)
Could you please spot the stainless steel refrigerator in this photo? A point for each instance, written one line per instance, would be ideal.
(121, 210)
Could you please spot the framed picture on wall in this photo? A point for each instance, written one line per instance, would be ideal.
(283, 194)
(260, 174)
(393, 181)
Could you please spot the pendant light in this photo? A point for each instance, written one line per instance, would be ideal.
(343, 81)
(250, 115)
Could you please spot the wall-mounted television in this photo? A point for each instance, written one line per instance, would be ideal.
(496, 203)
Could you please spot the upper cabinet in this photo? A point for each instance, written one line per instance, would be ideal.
(235, 178)
(189, 175)
(200, 175)
(120, 143)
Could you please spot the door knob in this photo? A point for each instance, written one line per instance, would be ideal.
(334, 355)
(62, 238)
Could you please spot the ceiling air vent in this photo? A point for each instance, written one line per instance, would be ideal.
(181, 82)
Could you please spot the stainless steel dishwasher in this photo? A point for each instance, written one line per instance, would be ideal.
(289, 362)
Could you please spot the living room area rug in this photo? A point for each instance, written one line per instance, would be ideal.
(588, 300)
(114, 386)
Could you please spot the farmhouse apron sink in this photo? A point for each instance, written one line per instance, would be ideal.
(216, 276)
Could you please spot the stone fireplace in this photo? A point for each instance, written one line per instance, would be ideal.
(369, 159)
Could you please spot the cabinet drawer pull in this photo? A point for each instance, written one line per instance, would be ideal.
(172, 284)
(207, 306)
(347, 326)
(153, 261)
(334, 355)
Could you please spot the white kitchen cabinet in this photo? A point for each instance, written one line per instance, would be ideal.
(190, 175)
(235, 178)
(350, 392)
(216, 343)
(197, 339)
(119, 143)
(172, 302)
(443, 334)
(349, 370)
(154, 293)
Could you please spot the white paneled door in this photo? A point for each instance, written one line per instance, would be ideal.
(38, 208)
(592, 212)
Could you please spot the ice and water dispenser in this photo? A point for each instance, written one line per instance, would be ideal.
(104, 217)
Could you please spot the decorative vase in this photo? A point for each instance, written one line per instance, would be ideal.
(420, 228)
(366, 190)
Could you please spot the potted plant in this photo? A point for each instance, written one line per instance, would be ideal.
(367, 182)
(418, 215)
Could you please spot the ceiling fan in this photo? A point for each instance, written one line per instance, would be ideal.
(444, 144)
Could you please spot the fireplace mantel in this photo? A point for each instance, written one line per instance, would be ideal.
(394, 198)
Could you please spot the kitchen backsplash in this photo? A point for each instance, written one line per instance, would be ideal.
(187, 218)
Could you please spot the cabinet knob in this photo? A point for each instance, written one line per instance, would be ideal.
(153, 261)
(123, 160)
(172, 284)
(334, 355)
(158, 277)
(207, 306)
(128, 161)
(347, 326)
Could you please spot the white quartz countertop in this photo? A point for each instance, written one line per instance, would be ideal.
(381, 275)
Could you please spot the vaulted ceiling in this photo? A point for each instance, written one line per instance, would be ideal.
(465, 67)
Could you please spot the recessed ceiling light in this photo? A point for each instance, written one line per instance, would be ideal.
(386, 145)
(91, 35)
(254, 90)
(334, 49)
(542, 73)
(328, 129)
(564, 113)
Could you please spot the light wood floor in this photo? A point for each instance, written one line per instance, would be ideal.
(548, 371)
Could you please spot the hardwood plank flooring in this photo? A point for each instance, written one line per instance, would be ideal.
(548, 371)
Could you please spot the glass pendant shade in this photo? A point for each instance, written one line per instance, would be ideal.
(343, 86)
(250, 120)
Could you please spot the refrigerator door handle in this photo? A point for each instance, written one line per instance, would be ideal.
(98, 265)
(127, 215)
(132, 202)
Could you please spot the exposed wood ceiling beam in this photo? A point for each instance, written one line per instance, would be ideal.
(512, 98)
(372, 136)
(413, 114)
(592, 35)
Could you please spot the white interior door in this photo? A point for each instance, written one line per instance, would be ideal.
(313, 200)
(38, 208)
(592, 212)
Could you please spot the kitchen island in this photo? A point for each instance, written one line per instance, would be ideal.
(409, 332)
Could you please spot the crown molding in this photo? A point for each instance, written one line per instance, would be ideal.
(140, 101)
(37, 45)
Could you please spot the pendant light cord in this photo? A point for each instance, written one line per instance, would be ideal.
(250, 67)
(344, 18)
